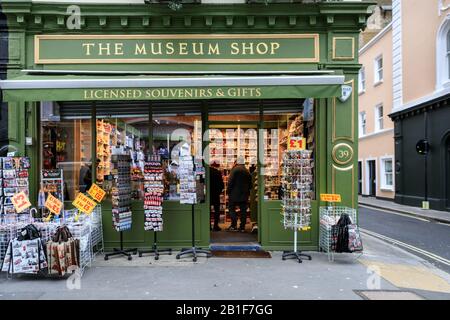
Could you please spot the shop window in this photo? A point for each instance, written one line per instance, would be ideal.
(387, 177)
(378, 70)
(66, 145)
(362, 80)
(284, 129)
(169, 134)
(379, 124)
(122, 135)
(362, 123)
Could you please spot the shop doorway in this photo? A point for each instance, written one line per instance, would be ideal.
(234, 179)
(371, 178)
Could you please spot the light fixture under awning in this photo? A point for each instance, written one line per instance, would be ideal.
(83, 88)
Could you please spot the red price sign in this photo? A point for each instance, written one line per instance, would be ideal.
(296, 143)
(20, 202)
(96, 193)
(84, 203)
(330, 197)
(53, 204)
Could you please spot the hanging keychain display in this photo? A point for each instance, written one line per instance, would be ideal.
(297, 194)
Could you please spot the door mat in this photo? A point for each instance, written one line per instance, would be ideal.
(388, 295)
(240, 254)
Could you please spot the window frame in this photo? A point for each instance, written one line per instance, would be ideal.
(362, 80)
(383, 185)
(362, 129)
(378, 69)
(379, 119)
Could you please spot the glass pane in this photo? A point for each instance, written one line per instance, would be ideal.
(66, 145)
(388, 166)
(169, 134)
(389, 179)
(280, 130)
(124, 135)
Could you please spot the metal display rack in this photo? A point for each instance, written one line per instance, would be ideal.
(329, 216)
(296, 200)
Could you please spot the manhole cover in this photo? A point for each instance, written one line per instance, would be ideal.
(388, 295)
(241, 254)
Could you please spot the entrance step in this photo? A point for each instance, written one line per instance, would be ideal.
(235, 246)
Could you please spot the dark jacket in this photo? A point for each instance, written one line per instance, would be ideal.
(239, 184)
(216, 184)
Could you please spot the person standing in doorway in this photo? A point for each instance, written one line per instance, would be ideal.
(216, 190)
(239, 184)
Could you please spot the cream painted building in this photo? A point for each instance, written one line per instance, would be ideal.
(376, 130)
(412, 84)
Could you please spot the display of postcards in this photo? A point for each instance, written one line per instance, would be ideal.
(9, 209)
(8, 163)
(9, 173)
(10, 183)
(22, 182)
(9, 192)
(22, 174)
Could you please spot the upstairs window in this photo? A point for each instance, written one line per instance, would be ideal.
(379, 118)
(378, 70)
(362, 123)
(362, 80)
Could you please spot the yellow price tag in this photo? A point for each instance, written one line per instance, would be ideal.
(20, 201)
(330, 197)
(296, 143)
(96, 193)
(53, 204)
(84, 203)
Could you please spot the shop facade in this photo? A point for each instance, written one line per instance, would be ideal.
(145, 77)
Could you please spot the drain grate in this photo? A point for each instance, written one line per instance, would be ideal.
(387, 295)
(241, 254)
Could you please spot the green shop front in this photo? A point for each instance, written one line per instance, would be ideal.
(230, 80)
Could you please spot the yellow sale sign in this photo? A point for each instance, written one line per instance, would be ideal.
(20, 201)
(330, 197)
(296, 143)
(53, 204)
(84, 203)
(96, 193)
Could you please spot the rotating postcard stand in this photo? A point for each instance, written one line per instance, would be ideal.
(153, 198)
(297, 180)
(190, 172)
(121, 202)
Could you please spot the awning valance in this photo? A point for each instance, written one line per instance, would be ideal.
(90, 87)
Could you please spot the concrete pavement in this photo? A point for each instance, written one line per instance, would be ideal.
(248, 279)
(439, 216)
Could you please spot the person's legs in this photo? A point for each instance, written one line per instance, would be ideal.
(243, 207)
(216, 215)
(232, 211)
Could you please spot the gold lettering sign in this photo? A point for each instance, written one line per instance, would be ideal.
(210, 48)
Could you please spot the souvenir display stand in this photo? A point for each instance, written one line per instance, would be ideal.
(153, 198)
(121, 201)
(189, 194)
(297, 180)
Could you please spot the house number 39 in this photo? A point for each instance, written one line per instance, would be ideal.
(342, 153)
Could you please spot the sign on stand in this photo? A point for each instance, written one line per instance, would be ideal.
(53, 204)
(96, 193)
(330, 197)
(21, 202)
(84, 203)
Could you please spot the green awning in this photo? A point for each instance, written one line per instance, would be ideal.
(108, 88)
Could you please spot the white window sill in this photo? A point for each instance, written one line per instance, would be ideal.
(362, 92)
(386, 188)
(376, 84)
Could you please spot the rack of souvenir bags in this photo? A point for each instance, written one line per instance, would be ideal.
(55, 248)
(338, 231)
